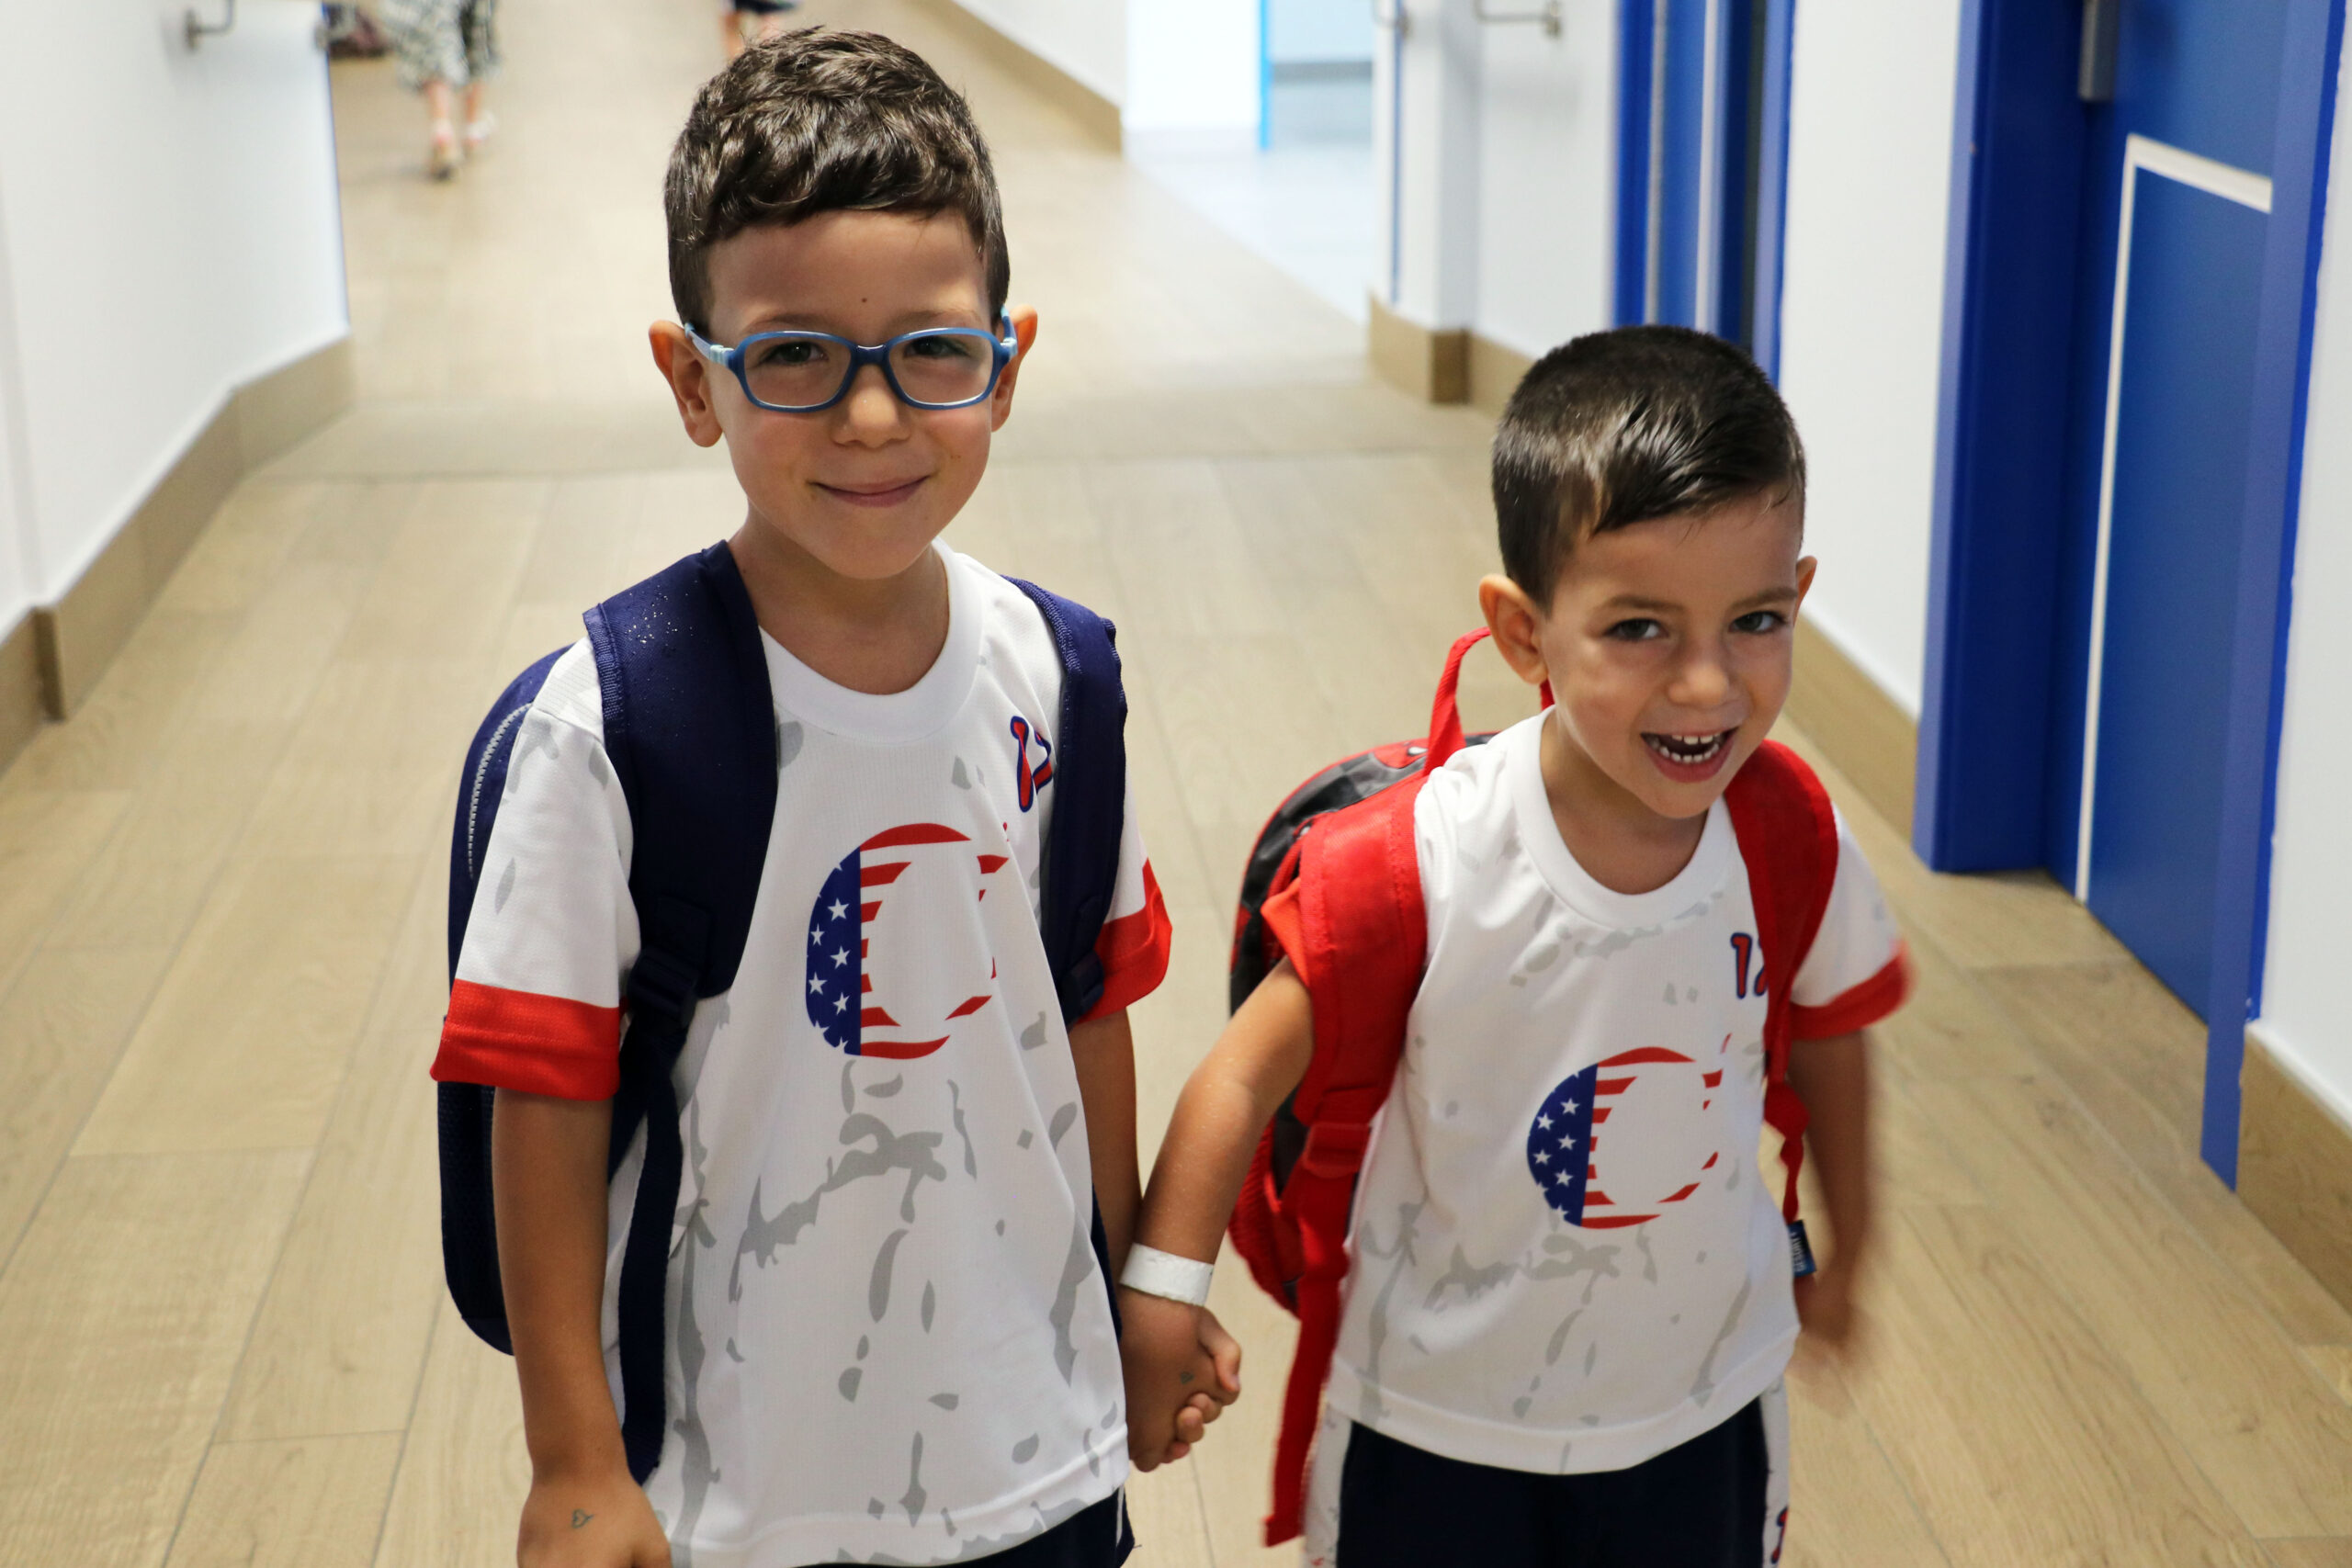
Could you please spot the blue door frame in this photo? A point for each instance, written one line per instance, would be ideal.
(1702, 145)
(2001, 491)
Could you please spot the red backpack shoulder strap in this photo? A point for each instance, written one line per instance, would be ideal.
(1788, 836)
(1361, 937)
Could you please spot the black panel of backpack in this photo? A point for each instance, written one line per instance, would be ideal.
(1340, 785)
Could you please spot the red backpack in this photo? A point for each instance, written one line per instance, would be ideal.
(1345, 839)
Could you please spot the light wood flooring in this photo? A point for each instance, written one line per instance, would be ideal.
(223, 1335)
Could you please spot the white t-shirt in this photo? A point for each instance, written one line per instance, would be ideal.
(890, 1338)
(1563, 1257)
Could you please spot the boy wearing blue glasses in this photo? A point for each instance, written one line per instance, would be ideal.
(890, 1331)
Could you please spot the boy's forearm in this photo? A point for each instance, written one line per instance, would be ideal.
(1832, 1076)
(1225, 1105)
(548, 1173)
(1104, 1052)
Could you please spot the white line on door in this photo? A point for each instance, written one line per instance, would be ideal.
(2199, 173)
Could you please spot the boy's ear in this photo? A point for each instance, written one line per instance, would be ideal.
(1025, 330)
(689, 375)
(1805, 577)
(1518, 627)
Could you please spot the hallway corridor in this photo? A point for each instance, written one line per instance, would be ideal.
(223, 1335)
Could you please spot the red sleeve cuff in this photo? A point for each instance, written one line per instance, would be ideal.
(1286, 929)
(536, 1044)
(1133, 950)
(1859, 1007)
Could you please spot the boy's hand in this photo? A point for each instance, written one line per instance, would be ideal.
(1182, 1369)
(600, 1521)
(1825, 1307)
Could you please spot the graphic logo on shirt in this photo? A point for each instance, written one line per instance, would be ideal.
(1028, 780)
(1651, 1103)
(919, 870)
(1743, 957)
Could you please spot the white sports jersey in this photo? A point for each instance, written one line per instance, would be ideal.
(1564, 1258)
(889, 1339)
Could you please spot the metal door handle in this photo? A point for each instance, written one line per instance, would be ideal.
(199, 29)
(1549, 16)
(2102, 30)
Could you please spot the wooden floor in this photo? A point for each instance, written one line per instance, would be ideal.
(222, 1336)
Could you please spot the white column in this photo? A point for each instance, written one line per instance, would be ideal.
(1426, 87)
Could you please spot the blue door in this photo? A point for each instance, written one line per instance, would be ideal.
(1702, 154)
(2177, 195)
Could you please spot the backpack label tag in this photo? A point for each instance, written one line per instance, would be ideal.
(1801, 1261)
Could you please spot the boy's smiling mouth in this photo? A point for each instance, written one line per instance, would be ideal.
(887, 495)
(1690, 758)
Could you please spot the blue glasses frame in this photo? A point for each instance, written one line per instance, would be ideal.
(861, 355)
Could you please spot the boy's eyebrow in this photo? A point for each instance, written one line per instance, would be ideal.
(800, 320)
(1778, 595)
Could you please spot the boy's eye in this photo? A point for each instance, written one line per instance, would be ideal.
(787, 353)
(1757, 622)
(948, 348)
(1640, 628)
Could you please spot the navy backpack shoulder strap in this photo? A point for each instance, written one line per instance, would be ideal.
(468, 1218)
(1090, 762)
(1089, 824)
(690, 728)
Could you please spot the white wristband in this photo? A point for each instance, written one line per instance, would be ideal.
(1157, 1273)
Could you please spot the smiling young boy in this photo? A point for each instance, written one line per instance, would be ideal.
(890, 1339)
(1565, 1324)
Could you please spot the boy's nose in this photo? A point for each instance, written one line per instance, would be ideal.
(1703, 677)
(871, 411)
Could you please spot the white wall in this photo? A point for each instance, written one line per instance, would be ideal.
(1169, 65)
(172, 230)
(2304, 1018)
(1318, 30)
(1087, 39)
(17, 595)
(1870, 176)
(1192, 67)
(1428, 156)
(1547, 137)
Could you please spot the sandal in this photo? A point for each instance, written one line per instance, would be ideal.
(479, 131)
(441, 163)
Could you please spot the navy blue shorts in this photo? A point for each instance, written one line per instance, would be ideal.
(1699, 1505)
(1096, 1538)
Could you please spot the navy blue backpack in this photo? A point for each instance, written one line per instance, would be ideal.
(690, 728)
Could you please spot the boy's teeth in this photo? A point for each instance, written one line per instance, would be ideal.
(1688, 748)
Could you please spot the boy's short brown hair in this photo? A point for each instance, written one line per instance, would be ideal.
(821, 121)
(1620, 427)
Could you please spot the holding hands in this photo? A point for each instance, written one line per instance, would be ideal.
(1182, 1369)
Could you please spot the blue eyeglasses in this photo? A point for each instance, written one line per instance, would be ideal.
(939, 367)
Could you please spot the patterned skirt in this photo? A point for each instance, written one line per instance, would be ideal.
(442, 41)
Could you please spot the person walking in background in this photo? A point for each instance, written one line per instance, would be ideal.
(446, 47)
(743, 22)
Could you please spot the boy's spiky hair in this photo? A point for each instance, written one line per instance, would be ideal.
(1620, 427)
(822, 122)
